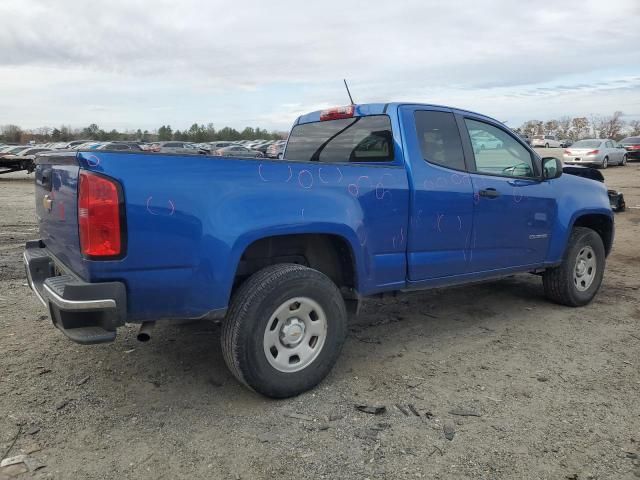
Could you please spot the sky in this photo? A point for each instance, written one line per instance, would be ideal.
(129, 64)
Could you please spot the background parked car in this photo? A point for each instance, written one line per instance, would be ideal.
(22, 160)
(262, 148)
(75, 143)
(598, 152)
(276, 150)
(566, 143)
(547, 141)
(87, 146)
(525, 137)
(217, 145)
(176, 147)
(131, 146)
(12, 150)
(485, 141)
(237, 151)
(632, 146)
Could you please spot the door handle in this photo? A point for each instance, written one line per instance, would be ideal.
(489, 193)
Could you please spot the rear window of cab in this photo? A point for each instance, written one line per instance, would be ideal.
(356, 139)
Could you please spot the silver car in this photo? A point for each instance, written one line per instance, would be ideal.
(598, 152)
(237, 151)
(183, 148)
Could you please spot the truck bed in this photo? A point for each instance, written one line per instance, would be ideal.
(189, 218)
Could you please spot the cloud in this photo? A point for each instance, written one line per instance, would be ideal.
(129, 63)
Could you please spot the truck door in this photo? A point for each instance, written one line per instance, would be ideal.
(441, 210)
(514, 209)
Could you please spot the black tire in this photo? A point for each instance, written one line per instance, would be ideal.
(605, 163)
(546, 145)
(251, 309)
(559, 283)
(624, 161)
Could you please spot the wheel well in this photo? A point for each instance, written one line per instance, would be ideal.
(329, 254)
(602, 224)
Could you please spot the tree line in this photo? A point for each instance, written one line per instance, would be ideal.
(576, 128)
(196, 133)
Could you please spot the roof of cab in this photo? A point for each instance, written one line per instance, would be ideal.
(364, 109)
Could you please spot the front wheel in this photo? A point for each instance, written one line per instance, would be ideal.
(624, 160)
(284, 330)
(578, 278)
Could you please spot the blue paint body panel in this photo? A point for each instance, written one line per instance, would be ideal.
(409, 223)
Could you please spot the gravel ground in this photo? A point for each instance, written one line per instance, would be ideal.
(528, 389)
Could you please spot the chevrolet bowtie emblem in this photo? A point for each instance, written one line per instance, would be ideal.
(47, 203)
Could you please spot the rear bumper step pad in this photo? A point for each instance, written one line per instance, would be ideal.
(85, 312)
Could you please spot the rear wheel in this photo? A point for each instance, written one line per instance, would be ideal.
(605, 162)
(546, 145)
(284, 330)
(578, 278)
(624, 160)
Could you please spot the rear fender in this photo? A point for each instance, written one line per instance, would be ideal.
(343, 231)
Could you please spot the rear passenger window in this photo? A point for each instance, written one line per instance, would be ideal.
(439, 139)
(358, 139)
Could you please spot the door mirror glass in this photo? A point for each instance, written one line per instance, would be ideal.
(551, 168)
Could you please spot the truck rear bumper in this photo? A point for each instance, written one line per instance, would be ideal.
(85, 312)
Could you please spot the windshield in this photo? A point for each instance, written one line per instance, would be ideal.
(586, 144)
(358, 139)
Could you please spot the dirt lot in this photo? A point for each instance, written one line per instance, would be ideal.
(556, 389)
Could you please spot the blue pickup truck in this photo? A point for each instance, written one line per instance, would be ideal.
(368, 199)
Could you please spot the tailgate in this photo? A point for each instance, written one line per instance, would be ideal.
(56, 179)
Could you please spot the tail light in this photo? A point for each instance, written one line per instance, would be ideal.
(593, 152)
(337, 113)
(99, 219)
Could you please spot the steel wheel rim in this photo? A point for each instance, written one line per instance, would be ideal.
(295, 334)
(605, 162)
(585, 269)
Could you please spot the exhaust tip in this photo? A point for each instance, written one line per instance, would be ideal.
(144, 334)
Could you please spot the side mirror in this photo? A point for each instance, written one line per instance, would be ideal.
(551, 168)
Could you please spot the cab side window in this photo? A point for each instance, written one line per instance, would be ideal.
(498, 153)
(439, 139)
